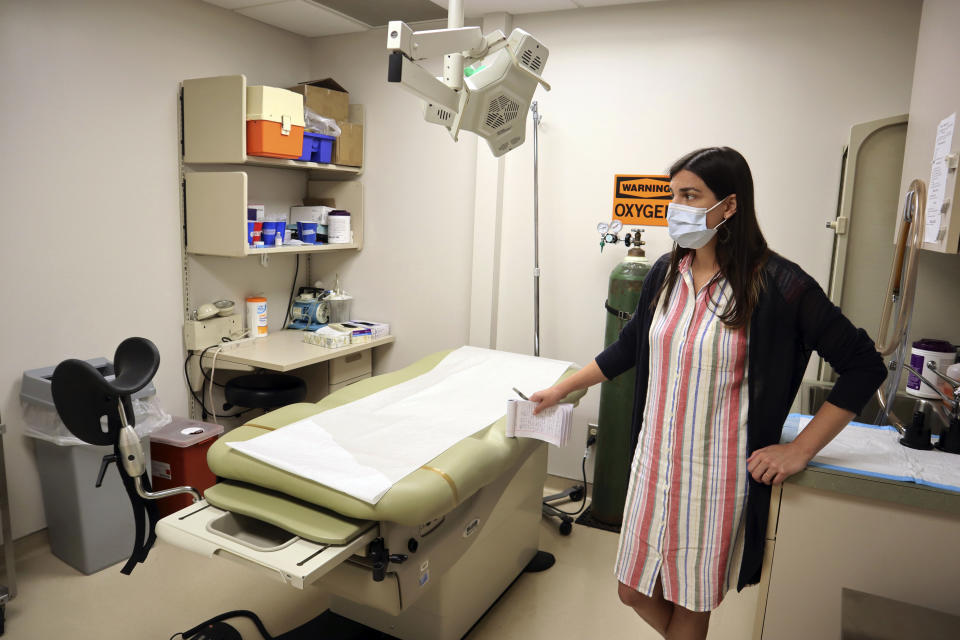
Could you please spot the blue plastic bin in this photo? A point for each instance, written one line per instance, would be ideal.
(316, 147)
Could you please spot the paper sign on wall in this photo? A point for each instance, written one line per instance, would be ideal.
(641, 200)
(938, 179)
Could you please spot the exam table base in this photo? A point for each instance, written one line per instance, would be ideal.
(505, 544)
(459, 570)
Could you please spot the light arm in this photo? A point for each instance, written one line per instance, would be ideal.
(420, 82)
(421, 45)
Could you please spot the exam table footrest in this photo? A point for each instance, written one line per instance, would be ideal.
(211, 531)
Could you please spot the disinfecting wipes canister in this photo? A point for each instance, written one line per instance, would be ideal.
(256, 317)
(924, 351)
(338, 227)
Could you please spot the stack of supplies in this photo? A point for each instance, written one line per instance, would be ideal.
(377, 329)
(358, 334)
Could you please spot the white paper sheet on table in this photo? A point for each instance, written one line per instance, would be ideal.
(876, 451)
(363, 448)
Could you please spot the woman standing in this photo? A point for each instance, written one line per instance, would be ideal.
(720, 341)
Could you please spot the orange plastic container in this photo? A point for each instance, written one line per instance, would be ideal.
(274, 122)
(265, 138)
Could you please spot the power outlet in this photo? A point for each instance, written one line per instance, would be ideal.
(200, 334)
(592, 431)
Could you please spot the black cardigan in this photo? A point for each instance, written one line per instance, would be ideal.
(792, 318)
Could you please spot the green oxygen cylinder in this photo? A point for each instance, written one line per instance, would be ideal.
(614, 454)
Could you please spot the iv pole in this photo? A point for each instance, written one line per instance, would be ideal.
(575, 492)
(536, 233)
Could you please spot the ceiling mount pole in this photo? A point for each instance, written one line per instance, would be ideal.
(453, 62)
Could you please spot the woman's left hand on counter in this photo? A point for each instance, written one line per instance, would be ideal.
(776, 463)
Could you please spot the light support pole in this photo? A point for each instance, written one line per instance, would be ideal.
(536, 231)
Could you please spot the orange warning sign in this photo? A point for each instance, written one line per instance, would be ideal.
(641, 200)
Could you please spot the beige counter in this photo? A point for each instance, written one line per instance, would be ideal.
(832, 530)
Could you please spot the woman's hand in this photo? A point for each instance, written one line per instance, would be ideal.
(776, 463)
(546, 398)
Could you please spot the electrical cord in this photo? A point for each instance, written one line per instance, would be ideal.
(293, 288)
(203, 407)
(240, 613)
(583, 500)
(203, 371)
(213, 371)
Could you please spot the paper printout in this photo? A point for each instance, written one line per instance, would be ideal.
(550, 425)
(938, 178)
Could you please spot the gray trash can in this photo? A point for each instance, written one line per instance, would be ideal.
(90, 527)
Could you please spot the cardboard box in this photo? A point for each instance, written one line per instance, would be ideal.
(348, 148)
(320, 202)
(326, 97)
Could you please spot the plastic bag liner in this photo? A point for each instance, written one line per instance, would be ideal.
(318, 124)
(43, 423)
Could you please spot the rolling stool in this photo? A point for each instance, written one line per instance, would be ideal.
(264, 391)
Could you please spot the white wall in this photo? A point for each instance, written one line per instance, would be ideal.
(89, 181)
(414, 269)
(636, 87)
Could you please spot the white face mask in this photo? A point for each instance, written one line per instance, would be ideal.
(687, 225)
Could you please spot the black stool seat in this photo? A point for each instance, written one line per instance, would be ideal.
(265, 390)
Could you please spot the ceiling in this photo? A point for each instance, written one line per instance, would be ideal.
(315, 18)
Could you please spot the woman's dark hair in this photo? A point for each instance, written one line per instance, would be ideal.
(741, 248)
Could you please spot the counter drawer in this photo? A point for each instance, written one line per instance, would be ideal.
(349, 367)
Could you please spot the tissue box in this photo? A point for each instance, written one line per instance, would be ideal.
(328, 337)
(377, 329)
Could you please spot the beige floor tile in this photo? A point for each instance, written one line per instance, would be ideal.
(171, 592)
(575, 599)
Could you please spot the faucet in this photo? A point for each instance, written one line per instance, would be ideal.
(950, 439)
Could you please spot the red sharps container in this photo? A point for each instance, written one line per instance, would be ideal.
(178, 457)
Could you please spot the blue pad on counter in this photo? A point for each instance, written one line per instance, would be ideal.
(876, 451)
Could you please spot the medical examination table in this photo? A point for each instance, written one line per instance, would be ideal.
(424, 562)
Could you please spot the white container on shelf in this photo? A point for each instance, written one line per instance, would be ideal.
(338, 227)
(305, 213)
(256, 308)
(923, 352)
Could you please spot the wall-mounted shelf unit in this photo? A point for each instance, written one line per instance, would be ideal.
(216, 206)
(216, 174)
(215, 128)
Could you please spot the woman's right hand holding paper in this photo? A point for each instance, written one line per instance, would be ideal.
(546, 398)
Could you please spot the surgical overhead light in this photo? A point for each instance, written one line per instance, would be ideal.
(490, 96)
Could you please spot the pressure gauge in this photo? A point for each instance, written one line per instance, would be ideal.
(615, 226)
(602, 228)
(610, 238)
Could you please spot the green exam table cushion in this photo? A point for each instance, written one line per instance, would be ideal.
(423, 495)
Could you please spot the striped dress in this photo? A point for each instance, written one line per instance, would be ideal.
(683, 519)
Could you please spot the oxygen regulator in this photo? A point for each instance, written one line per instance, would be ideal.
(609, 234)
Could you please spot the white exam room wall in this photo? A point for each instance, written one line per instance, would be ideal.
(418, 189)
(90, 187)
(634, 88)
